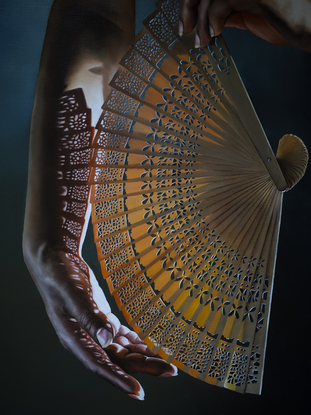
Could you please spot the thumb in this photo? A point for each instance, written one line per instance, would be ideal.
(101, 328)
(96, 317)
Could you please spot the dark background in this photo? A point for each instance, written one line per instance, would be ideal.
(38, 376)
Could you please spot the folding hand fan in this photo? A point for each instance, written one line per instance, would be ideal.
(187, 197)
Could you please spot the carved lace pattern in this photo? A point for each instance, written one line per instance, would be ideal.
(185, 213)
(74, 135)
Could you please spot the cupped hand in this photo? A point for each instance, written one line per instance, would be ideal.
(81, 316)
(211, 16)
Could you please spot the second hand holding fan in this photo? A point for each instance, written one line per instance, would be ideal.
(187, 198)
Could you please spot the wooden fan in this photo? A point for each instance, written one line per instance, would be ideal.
(187, 197)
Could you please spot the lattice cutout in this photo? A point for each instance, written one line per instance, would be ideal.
(74, 136)
(187, 198)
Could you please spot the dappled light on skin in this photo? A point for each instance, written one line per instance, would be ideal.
(72, 87)
(57, 209)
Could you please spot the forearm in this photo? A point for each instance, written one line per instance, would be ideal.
(84, 42)
(80, 35)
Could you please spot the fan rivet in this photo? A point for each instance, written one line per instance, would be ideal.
(269, 160)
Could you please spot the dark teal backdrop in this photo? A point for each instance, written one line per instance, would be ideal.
(38, 376)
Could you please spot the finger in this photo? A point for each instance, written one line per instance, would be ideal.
(96, 324)
(114, 321)
(259, 26)
(129, 339)
(140, 347)
(80, 343)
(124, 331)
(78, 295)
(219, 12)
(134, 338)
(130, 334)
(188, 15)
(203, 27)
(236, 20)
(139, 363)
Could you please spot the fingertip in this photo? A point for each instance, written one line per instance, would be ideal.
(175, 370)
(180, 28)
(139, 398)
(218, 14)
(133, 337)
(123, 330)
(197, 41)
(139, 394)
(172, 373)
(188, 18)
(215, 29)
(117, 375)
(201, 39)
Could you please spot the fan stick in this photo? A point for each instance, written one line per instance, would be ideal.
(221, 61)
(171, 130)
(187, 204)
(176, 49)
(132, 109)
(149, 93)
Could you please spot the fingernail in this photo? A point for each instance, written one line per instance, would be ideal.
(180, 28)
(197, 42)
(175, 373)
(211, 31)
(170, 374)
(139, 395)
(104, 337)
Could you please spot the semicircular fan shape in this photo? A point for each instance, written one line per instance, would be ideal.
(187, 196)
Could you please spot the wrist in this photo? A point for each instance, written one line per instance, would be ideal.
(50, 266)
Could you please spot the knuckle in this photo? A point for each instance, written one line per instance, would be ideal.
(87, 322)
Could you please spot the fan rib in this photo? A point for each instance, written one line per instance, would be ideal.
(187, 201)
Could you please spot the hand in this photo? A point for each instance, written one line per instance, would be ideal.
(81, 316)
(210, 16)
(97, 33)
(273, 20)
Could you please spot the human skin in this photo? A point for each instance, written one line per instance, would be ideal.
(277, 21)
(81, 35)
(85, 40)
